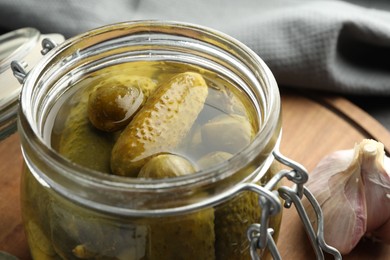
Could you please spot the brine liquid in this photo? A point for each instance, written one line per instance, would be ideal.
(224, 98)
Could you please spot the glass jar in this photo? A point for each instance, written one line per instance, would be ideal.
(73, 212)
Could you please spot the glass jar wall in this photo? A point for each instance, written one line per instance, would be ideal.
(76, 205)
(22, 44)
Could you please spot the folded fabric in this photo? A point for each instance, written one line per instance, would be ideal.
(333, 46)
(322, 45)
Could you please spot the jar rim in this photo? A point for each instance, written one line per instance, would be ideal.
(124, 184)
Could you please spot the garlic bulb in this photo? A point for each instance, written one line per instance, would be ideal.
(353, 189)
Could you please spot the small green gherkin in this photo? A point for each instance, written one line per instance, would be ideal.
(166, 166)
(161, 124)
(80, 141)
(186, 237)
(233, 218)
(42, 247)
(114, 102)
(213, 158)
(189, 236)
(228, 132)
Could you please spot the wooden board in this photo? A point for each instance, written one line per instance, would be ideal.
(311, 129)
(12, 237)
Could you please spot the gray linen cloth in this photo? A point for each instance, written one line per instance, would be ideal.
(323, 45)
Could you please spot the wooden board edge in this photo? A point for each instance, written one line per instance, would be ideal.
(359, 118)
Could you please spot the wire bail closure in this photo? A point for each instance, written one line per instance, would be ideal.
(260, 235)
(19, 68)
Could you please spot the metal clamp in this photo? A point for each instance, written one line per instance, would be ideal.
(47, 45)
(19, 70)
(260, 235)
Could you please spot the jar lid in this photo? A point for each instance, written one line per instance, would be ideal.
(21, 45)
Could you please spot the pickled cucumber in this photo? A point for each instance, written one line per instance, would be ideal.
(166, 166)
(228, 132)
(224, 99)
(189, 236)
(82, 143)
(233, 218)
(89, 237)
(111, 108)
(213, 158)
(42, 248)
(115, 100)
(161, 124)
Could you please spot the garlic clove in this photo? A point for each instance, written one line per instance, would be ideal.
(376, 178)
(336, 184)
(353, 189)
(382, 234)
